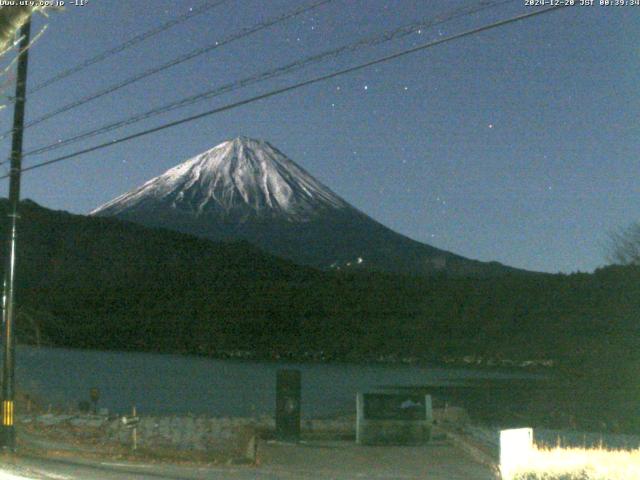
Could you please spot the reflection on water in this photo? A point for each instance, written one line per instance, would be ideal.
(178, 384)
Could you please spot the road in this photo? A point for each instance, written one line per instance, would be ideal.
(317, 460)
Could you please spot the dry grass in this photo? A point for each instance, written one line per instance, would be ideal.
(576, 464)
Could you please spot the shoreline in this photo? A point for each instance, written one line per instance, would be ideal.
(468, 363)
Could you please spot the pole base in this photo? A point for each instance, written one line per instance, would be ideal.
(8, 438)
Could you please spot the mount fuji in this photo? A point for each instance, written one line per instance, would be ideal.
(245, 189)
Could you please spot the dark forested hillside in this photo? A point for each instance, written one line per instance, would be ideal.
(102, 283)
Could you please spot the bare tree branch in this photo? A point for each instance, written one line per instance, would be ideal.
(624, 246)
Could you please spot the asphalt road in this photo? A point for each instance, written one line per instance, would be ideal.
(277, 461)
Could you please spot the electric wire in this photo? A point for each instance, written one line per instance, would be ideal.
(126, 45)
(176, 61)
(293, 87)
(375, 40)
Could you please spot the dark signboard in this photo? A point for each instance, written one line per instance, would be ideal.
(288, 386)
(394, 406)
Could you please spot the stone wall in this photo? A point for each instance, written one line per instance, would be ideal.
(184, 433)
(234, 437)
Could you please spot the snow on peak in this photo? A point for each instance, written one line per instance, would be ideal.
(240, 177)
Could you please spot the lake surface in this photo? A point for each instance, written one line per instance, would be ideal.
(181, 384)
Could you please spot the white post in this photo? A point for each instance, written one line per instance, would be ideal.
(135, 430)
(359, 416)
(428, 408)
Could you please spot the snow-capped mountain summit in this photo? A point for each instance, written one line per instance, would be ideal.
(245, 189)
(238, 180)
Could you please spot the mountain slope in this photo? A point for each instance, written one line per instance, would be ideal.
(247, 189)
(236, 181)
(103, 283)
(87, 282)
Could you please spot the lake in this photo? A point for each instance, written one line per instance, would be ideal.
(181, 384)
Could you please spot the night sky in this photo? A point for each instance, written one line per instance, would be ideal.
(518, 144)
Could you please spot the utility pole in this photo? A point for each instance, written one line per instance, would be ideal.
(7, 430)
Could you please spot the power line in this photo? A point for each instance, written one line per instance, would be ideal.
(293, 87)
(387, 36)
(181, 59)
(128, 44)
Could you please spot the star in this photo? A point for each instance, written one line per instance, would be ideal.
(491, 125)
(366, 87)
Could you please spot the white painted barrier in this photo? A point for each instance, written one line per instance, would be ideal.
(516, 446)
